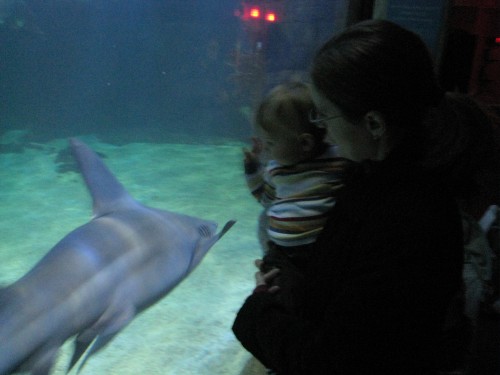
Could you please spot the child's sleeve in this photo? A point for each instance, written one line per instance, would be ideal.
(259, 186)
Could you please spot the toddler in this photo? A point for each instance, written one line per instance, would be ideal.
(298, 184)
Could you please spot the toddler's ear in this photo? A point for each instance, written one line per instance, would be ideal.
(375, 124)
(307, 142)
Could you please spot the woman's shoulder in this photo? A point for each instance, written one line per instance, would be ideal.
(396, 191)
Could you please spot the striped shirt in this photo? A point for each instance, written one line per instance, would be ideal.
(298, 197)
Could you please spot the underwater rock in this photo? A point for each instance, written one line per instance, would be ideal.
(14, 136)
(15, 141)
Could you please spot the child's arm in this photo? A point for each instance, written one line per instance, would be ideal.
(254, 171)
(251, 159)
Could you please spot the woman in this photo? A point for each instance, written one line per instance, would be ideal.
(375, 294)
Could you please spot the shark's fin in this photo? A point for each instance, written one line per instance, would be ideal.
(108, 326)
(100, 343)
(82, 343)
(207, 233)
(206, 240)
(108, 194)
(224, 230)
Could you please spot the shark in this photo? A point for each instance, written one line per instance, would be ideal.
(100, 276)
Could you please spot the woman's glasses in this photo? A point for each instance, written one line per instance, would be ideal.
(319, 119)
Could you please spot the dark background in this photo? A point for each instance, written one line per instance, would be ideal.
(141, 70)
(102, 66)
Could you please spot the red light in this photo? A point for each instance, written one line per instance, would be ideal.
(255, 12)
(497, 40)
(271, 17)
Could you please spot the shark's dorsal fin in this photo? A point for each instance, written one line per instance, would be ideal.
(108, 194)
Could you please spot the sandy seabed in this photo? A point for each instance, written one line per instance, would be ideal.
(187, 332)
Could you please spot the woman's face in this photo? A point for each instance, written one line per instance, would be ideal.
(353, 140)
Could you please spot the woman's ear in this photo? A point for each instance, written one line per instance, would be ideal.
(307, 142)
(375, 124)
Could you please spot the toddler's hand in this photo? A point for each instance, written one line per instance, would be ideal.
(256, 146)
(252, 157)
(265, 279)
(254, 153)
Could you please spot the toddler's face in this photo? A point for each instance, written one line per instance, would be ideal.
(285, 148)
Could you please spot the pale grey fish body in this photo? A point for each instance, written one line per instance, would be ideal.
(97, 278)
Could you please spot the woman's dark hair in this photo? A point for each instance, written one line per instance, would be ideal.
(379, 66)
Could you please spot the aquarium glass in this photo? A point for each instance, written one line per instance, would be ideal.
(164, 91)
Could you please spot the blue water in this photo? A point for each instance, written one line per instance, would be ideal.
(164, 90)
(143, 69)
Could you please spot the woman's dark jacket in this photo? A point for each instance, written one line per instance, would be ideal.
(375, 293)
